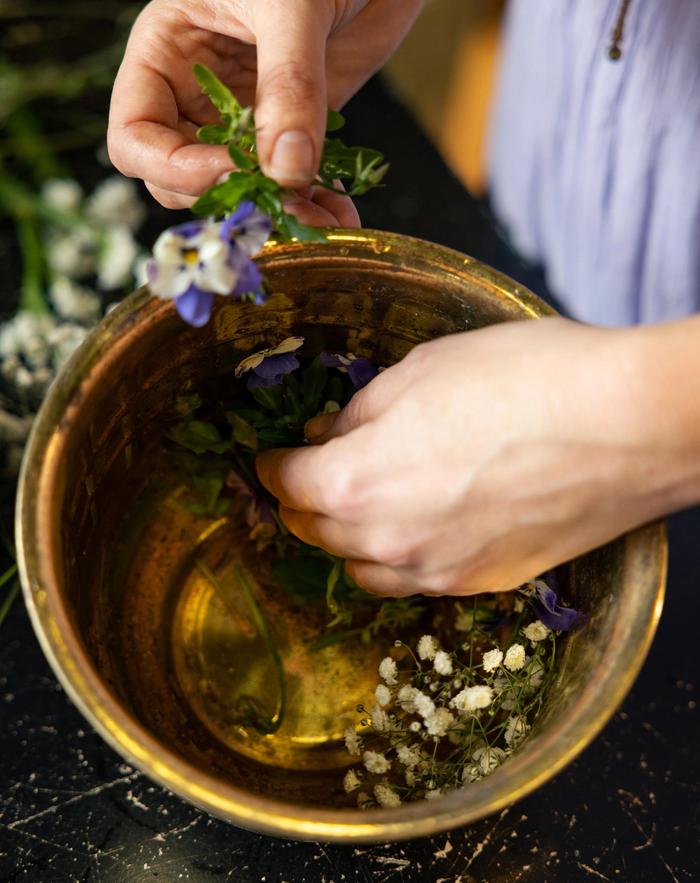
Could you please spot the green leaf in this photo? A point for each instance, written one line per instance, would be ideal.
(291, 228)
(208, 488)
(242, 158)
(304, 578)
(243, 433)
(334, 121)
(214, 134)
(269, 397)
(314, 381)
(199, 437)
(220, 95)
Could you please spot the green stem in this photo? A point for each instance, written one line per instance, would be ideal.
(32, 297)
(11, 595)
(254, 715)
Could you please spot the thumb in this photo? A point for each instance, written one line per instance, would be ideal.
(291, 102)
(363, 407)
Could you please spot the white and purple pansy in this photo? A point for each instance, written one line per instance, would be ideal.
(550, 611)
(269, 366)
(359, 370)
(194, 261)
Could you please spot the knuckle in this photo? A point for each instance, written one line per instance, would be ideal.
(291, 85)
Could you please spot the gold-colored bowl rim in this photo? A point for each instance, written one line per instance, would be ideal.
(521, 775)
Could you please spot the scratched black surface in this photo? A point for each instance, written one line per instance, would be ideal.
(626, 810)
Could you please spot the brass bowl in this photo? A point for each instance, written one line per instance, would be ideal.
(146, 651)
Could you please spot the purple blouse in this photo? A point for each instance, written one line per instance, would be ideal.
(595, 164)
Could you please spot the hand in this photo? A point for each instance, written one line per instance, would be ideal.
(485, 458)
(292, 59)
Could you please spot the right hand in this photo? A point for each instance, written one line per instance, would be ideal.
(291, 59)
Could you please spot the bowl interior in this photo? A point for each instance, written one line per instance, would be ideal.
(138, 633)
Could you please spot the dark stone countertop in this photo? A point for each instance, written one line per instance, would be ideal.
(626, 810)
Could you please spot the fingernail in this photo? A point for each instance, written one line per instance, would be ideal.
(293, 157)
(318, 426)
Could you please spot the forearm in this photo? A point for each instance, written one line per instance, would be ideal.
(663, 379)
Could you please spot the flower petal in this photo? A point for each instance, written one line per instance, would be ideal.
(195, 306)
(276, 366)
(360, 372)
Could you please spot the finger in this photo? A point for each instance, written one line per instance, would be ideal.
(365, 405)
(301, 478)
(144, 137)
(378, 579)
(342, 540)
(341, 207)
(168, 198)
(310, 213)
(291, 106)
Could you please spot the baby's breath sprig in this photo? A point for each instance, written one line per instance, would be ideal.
(443, 719)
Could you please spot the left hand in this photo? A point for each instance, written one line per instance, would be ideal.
(485, 458)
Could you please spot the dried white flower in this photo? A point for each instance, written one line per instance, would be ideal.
(433, 793)
(375, 762)
(472, 698)
(424, 705)
(515, 657)
(415, 727)
(492, 659)
(75, 302)
(410, 778)
(115, 266)
(116, 201)
(380, 719)
(382, 694)
(535, 673)
(351, 782)
(62, 194)
(442, 663)
(488, 758)
(408, 755)
(352, 741)
(464, 621)
(387, 671)
(516, 727)
(73, 253)
(536, 631)
(438, 723)
(406, 698)
(427, 647)
(386, 796)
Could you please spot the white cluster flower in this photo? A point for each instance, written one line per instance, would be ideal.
(119, 252)
(536, 631)
(406, 697)
(353, 742)
(376, 762)
(386, 796)
(387, 671)
(535, 674)
(516, 727)
(427, 647)
(351, 782)
(472, 698)
(73, 253)
(382, 694)
(62, 194)
(492, 659)
(515, 657)
(423, 704)
(433, 793)
(439, 722)
(409, 755)
(74, 302)
(380, 719)
(442, 663)
(116, 201)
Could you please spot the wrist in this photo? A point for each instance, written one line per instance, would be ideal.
(660, 375)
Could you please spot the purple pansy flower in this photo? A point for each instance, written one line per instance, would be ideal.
(359, 370)
(248, 227)
(194, 261)
(551, 612)
(269, 366)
